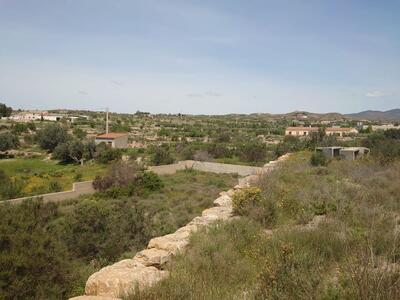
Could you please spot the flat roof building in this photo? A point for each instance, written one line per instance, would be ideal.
(347, 153)
(300, 131)
(113, 139)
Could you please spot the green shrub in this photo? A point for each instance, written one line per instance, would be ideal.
(105, 154)
(150, 181)
(245, 198)
(8, 141)
(318, 159)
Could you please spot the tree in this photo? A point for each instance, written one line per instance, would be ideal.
(5, 111)
(51, 136)
(74, 151)
(8, 141)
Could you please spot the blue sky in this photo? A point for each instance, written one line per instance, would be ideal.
(209, 57)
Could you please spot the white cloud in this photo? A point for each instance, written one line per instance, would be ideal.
(377, 94)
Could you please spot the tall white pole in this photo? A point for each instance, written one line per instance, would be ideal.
(107, 120)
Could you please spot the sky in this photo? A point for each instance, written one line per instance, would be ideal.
(200, 57)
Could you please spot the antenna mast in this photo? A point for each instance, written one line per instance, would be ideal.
(107, 120)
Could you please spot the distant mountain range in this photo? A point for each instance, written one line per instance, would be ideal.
(389, 115)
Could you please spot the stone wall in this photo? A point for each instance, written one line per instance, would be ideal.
(148, 266)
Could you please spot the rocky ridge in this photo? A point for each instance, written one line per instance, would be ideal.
(147, 267)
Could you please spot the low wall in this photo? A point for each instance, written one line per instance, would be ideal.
(78, 189)
(206, 167)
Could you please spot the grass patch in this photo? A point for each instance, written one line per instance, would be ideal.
(38, 175)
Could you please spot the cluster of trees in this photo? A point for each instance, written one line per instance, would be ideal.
(384, 146)
(67, 148)
(5, 111)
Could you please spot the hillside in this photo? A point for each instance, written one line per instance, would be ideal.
(389, 115)
(305, 233)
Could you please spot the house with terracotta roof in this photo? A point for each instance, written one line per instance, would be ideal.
(300, 131)
(113, 139)
(340, 131)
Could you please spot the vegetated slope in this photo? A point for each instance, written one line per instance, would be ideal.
(274, 252)
(48, 251)
(389, 115)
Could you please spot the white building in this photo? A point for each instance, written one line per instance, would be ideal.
(113, 139)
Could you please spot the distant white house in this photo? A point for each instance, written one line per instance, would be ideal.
(340, 131)
(304, 131)
(382, 127)
(113, 139)
(300, 131)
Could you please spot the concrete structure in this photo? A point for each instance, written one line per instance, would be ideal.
(351, 153)
(340, 131)
(300, 131)
(347, 153)
(329, 151)
(113, 139)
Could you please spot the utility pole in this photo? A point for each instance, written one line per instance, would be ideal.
(107, 120)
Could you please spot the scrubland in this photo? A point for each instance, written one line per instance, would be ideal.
(312, 233)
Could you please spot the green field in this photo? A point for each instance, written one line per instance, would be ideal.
(38, 176)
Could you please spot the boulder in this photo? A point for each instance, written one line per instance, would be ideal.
(120, 281)
(224, 200)
(217, 213)
(173, 243)
(153, 257)
(227, 193)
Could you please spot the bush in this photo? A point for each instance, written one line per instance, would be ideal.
(161, 156)
(252, 151)
(150, 181)
(244, 198)
(119, 174)
(105, 154)
(318, 159)
(8, 141)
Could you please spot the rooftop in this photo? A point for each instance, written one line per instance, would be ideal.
(302, 128)
(338, 129)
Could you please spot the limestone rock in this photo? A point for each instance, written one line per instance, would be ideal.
(227, 193)
(173, 243)
(119, 281)
(224, 200)
(153, 257)
(217, 213)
